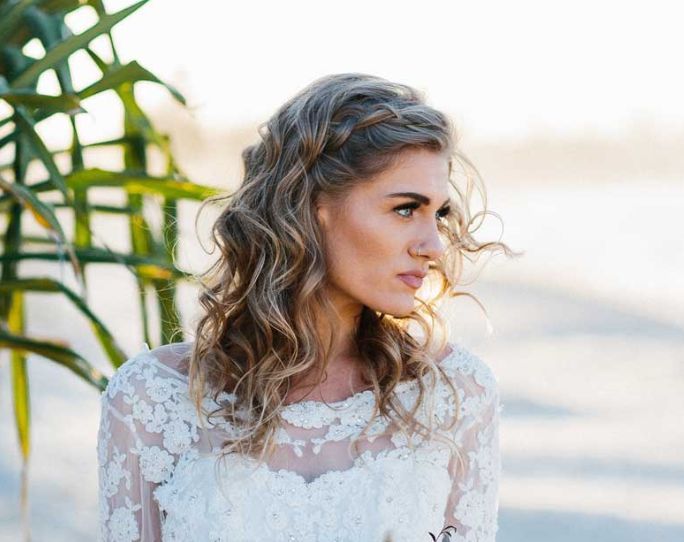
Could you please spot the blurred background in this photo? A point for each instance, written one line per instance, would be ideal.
(573, 114)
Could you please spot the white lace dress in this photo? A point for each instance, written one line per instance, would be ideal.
(158, 479)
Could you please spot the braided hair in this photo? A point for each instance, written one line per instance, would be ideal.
(342, 128)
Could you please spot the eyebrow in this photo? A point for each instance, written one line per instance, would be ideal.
(416, 196)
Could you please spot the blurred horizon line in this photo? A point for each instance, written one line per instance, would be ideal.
(642, 152)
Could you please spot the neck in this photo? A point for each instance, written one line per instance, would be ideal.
(342, 376)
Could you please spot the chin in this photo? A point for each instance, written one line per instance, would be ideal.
(398, 310)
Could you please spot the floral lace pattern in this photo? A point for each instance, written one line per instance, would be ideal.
(159, 478)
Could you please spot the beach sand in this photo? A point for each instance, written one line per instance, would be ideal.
(587, 347)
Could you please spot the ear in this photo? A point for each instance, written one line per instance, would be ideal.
(322, 214)
(322, 208)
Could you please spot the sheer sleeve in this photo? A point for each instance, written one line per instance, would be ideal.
(473, 502)
(143, 429)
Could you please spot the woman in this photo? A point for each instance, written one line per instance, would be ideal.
(305, 409)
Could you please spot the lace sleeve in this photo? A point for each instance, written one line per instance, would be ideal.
(473, 502)
(143, 428)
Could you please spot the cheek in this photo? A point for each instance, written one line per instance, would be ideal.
(363, 253)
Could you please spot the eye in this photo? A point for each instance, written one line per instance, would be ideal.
(443, 212)
(410, 207)
(407, 207)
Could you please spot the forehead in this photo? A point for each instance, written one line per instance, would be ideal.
(415, 170)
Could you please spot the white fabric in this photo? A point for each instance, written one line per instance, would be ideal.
(158, 479)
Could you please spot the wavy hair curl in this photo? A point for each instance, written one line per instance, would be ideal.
(263, 295)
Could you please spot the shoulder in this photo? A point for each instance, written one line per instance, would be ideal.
(478, 402)
(153, 374)
(146, 414)
(463, 360)
(468, 371)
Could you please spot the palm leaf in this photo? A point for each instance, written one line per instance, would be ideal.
(64, 103)
(11, 18)
(144, 266)
(62, 51)
(58, 353)
(45, 284)
(128, 73)
(20, 385)
(42, 212)
(26, 124)
(169, 187)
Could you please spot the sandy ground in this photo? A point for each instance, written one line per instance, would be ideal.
(588, 348)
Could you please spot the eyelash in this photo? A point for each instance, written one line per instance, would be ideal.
(441, 214)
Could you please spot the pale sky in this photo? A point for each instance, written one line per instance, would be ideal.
(502, 69)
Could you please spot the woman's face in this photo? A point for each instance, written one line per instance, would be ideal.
(374, 235)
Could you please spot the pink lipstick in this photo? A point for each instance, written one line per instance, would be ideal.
(411, 280)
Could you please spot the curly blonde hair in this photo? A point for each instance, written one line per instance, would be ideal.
(261, 298)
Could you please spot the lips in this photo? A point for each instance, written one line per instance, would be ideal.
(411, 280)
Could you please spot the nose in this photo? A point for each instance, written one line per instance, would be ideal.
(432, 246)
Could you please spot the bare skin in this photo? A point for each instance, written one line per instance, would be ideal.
(372, 237)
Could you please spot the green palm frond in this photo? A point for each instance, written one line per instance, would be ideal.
(66, 184)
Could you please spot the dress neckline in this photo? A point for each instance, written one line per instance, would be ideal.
(366, 397)
(363, 397)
